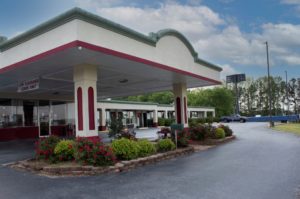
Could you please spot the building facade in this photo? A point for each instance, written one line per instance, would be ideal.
(55, 73)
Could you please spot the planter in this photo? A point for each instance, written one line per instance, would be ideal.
(75, 169)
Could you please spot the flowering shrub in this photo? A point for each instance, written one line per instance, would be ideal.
(183, 138)
(125, 149)
(219, 133)
(227, 129)
(146, 148)
(164, 132)
(165, 145)
(126, 134)
(93, 152)
(45, 148)
(199, 132)
(64, 150)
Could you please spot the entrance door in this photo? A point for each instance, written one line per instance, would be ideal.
(145, 120)
(44, 118)
(28, 108)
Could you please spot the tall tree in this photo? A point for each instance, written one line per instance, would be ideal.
(219, 97)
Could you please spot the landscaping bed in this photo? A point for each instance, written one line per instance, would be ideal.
(76, 169)
(84, 156)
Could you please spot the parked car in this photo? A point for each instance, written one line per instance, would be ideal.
(233, 118)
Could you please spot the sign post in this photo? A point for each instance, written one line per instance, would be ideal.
(236, 78)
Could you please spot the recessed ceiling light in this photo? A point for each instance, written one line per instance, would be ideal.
(123, 81)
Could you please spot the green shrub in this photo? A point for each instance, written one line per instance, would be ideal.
(216, 119)
(64, 150)
(93, 152)
(228, 131)
(169, 121)
(165, 145)
(192, 122)
(146, 148)
(116, 126)
(219, 133)
(209, 120)
(45, 148)
(161, 121)
(125, 149)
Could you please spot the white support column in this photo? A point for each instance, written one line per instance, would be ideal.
(214, 113)
(180, 104)
(155, 119)
(85, 81)
(165, 114)
(205, 114)
(103, 120)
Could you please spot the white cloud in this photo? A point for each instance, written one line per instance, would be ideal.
(194, 21)
(292, 2)
(227, 70)
(97, 3)
(217, 39)
(16, 34)
(295, 3)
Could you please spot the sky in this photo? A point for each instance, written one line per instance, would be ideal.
(228, 33)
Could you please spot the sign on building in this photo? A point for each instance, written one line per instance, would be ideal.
(29, 85)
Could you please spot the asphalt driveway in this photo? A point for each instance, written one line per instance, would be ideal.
(16, 150)
(260, 164)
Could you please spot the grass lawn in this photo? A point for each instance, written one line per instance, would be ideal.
(292, 128)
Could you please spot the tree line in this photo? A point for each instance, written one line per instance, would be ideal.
(253, 97)
(221, 98)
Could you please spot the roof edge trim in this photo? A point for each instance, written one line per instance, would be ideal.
(78, 13)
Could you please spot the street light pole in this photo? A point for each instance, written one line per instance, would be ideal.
(287, 93)
(269, 85)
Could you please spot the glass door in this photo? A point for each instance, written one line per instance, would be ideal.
(44, 118)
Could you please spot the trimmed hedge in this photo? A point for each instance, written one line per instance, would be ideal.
(125, 149)
(219, 133)
(64, 150)
(165, 145)
(146, 148)
(228, 131)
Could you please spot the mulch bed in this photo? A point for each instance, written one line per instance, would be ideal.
(212, 142)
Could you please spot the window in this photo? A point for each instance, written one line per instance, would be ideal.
(5, 113)
(59, 115)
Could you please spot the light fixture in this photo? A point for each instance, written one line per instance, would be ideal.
(79, 47)
(123, 81)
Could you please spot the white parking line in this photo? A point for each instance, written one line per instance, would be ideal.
(7, 164)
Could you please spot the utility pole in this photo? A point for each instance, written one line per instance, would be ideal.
(269, 85)
(287, 93)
